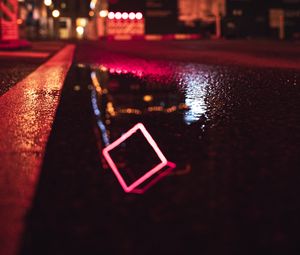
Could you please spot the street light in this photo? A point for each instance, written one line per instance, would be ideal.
(55, 13)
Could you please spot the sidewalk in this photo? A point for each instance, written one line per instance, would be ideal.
(27, 112)
(17, 64)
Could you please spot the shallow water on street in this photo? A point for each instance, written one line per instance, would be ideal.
(233, 133)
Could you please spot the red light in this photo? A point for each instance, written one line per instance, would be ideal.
(125, 15)
(111, 15)
(131, 15)
(19, 21)
(139, 15)
(118, 15)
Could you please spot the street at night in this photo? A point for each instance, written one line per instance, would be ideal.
(234, 140)
(138, 139)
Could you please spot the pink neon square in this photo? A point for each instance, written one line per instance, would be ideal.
(132, 187)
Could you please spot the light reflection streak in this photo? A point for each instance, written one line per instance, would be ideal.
(193, 82)
(97, 113)
(195, 91)
(96, 83)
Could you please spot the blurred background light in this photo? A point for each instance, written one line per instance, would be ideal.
(111, 15)
(93, 4)
(131, 15)
(80, 30)
(47, 2)
(55, 13)
(118, 15)
(125, 15)
(103, 13)
(139, 15)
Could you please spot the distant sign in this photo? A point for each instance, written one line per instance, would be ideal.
(161, 16)
(125, 28)
(8, 20)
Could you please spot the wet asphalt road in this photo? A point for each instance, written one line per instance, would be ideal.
(239, 138)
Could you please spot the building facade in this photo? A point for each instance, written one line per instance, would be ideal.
(268, 18)
(92, 19)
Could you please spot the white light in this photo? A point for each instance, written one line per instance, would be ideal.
(47, 2)
(111, 15)
(81, 22)
(93, 4)
(125, 15)
(35, 14)
(55, 13)
(195, 93)
(103, 13)
(139, 15)
(118, 15)
(131, 15)
(80, 30)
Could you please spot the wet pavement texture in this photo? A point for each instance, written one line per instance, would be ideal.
(27, 113)
(249, 53)
(235, 142)
(13, 69)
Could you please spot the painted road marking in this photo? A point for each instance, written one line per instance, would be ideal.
(26, 117)
(24, 54)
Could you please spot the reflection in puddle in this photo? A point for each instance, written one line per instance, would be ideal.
(98, 118)
(138, 184)
(195, 97)
(123, 97)
(192, 83)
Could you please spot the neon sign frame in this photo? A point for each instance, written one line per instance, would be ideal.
(134, 187)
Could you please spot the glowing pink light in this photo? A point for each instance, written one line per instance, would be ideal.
(125, 15)
(133, 187)
(138, 15)
(139, 74)
(131, 15)
(118, 15)
(170, 166)
(140, 68)
(111, 15)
